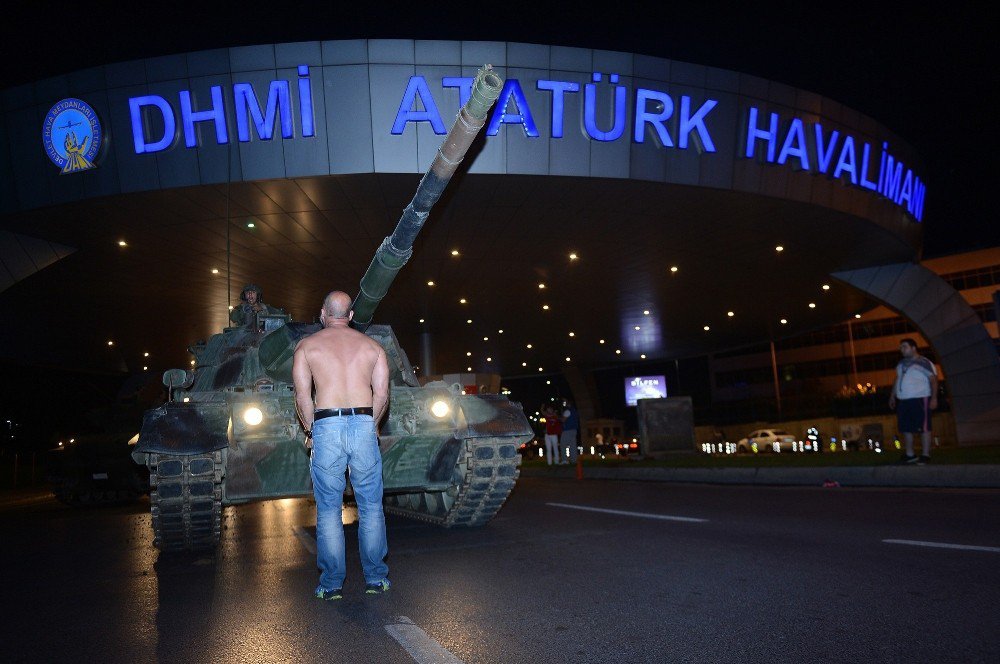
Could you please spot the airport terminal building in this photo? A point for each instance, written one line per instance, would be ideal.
(619, 208)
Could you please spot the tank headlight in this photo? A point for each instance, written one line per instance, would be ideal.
(440, 408)
(253, 416)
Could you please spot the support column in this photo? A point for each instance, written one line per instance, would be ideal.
(426, 355)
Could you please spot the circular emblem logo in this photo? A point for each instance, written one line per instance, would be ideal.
(72, 135)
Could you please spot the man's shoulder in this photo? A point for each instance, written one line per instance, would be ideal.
(925, 363)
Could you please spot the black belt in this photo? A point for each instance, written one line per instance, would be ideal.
(337, 412)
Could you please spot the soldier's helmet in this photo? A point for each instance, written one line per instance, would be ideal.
(252, 287)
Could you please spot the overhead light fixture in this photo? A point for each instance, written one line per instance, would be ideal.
(618, 351)
(215, 270)
(730, 313)
(572, 334)
(486, 338)
(706, 328)
(643, 356)
(541, 285)
(779, 248)
(421, 320)
(145, 354)
(462, 301)
(573, 256)
(857, 315)
(826, 286)
(548, 382)
(812, 305)
(468, 353)
(499, 331)
(601, 341)
(645, 312)
(469, 321)
(568, 359)
(673, 268)
(145, 368)
(524, 364)
(540, 369)
(122, 243)
(528, 346)
(545, 307)
(251, 225)
(489, 359)
(637, 328)
(111, 343)
(468, 368)
(430, 283)
(454, 252)
(784, 321)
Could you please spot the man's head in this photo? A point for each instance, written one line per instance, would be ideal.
(336, 309)
(908, 347)
(251, 293)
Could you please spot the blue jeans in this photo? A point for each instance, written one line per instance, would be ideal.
(349, 441)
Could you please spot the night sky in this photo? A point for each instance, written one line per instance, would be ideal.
(926, 72)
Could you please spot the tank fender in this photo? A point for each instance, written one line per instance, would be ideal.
(183, 429)
(491, 415)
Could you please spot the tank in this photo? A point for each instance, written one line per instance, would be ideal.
(229, 433)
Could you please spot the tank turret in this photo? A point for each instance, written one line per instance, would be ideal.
(229, 432)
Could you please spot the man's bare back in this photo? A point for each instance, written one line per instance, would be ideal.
(348, 368)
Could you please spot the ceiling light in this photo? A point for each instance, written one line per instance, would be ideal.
(122, 243)
(812, 305)
(637, 328)
(730, 314)
(230, 307)
(706, 328)
(857, 315)
(568, 359)
(454, 252)
(462, 301)
(250, 225)
(540, 369)
(645, 312)
(468, 368)
(468, 353)
(421, 320)
(572, 334)
(545, 307)
(601, 341)
(779, 248)
(524, 364)
(430, 283)
(528, 346)
(826, 286)
(215, 270)
(469, 321)
(643, 356)
(673, 268)
(486, 338)
(618, 351)
(499, 331)
(192, 363)
(145, 354)
(489, 359)
(548, 382)
(541, 285)
(111, 343)
(784, 321)
(573, 257)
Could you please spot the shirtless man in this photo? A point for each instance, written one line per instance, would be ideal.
(351, 376)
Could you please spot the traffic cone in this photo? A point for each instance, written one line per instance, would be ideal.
(579, 467)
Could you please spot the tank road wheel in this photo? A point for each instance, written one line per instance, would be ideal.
(185, 500)
(484, 476)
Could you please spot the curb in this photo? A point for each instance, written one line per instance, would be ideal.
(952, 476)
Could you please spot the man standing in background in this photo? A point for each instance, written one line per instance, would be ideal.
(914, 396)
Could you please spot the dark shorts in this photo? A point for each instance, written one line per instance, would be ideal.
(914, 415)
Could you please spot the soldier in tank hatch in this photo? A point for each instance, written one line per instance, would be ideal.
(251, 304)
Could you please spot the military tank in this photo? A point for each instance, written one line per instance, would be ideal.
(229, 432)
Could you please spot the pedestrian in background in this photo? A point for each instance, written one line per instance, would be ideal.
(570, 425)
(553, 427)
(914, 396)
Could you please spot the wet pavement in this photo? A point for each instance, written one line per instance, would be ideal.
(592, 571)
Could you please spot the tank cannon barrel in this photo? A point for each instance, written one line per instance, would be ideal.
(396, 249)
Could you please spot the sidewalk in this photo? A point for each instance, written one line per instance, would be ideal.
(943, 476)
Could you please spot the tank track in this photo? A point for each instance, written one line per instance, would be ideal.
(185, 500)
(484, 476)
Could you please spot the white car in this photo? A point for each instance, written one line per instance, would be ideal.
(767, 440)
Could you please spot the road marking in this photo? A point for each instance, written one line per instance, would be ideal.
(944, 545)
(421, 647)
(307, 540)
(644, 515)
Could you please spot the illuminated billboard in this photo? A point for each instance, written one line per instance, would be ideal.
(644, 387)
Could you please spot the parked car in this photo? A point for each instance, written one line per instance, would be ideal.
(767, 440)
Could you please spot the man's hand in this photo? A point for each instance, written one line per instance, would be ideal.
(308, 442)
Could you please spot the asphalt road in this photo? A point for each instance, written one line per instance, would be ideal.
(743, 574)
